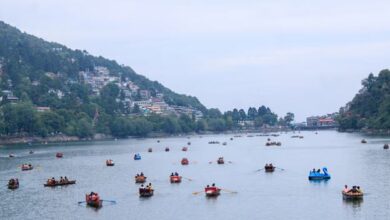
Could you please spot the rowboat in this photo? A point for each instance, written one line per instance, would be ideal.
(57, 183)
(145, 192)
(93, 200)
(269, 168)
(364, 141)
(13, 184)
(166, 149)
(220, 160)
(386, 146)
(212, 191)
(184, 161)
(26, 167)
(150, 150)
(11, 155)
(140, 179)
(59, 155)
(175, 179)
(184, 149)
(352, 195)
(137, 156)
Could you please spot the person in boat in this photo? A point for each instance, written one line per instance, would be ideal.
(53, 181)
(142, 174)
(61, 179)
(266, 165)
(345, 189)
(137, 175)
(66, 179)
(313, 171)
(11, 182)
(176, 174)
(271, 165)
(172, 174)
(29, 165)
(353, 190)
(318, 171)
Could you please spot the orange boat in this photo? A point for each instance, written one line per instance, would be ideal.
(140, 179)
(110, 163)
(212, 191)
(59, 155)
(184, 161)
(93, 200)
(184, 149)
(175, 179)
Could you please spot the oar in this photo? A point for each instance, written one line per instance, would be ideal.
(187, 178)
(112, 201)
(230, 191)
(81, 202)
(259, 170)
(280, 168)
(230, 162)
(196, 193)
(210, 162)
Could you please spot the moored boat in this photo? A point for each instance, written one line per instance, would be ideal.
(93, 200)
(150, 150)
(184, 149)
(317, 175)
(59, 155)
(167, 149)
(184, 161)
(364, 141)
(386, 146)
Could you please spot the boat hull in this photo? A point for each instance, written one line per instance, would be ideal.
(71, 182)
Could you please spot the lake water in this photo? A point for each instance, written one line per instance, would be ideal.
(284, 194)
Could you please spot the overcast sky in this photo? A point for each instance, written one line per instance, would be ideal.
(307, 57)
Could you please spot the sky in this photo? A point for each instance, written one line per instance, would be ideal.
(306, 57)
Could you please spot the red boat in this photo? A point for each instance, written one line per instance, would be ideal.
(220, 160)
(26, 167)
(59, 155)
(184, 161)
(175, 179)
(212, 191)
(110, 163)
(184, 149)
(93, 200)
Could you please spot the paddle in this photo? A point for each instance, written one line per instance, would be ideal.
(280, 168)
(230, 162)
(230, 191)
(187, 178)
(81, 202)
(112, 201)
(259, 170)
(196, 193)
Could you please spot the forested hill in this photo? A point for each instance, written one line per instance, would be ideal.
(370, 108)
(26, 60)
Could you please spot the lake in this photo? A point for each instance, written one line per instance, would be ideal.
(283, 194)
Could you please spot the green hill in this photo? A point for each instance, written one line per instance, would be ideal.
(370, 108)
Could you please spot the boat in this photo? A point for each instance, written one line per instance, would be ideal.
(364, 141)
(224, 143)
(11, 155)
(137, 156)
(59, 155)
(26, 167)
(175, 179)
(150, 150)
(213, 142)
(144, 192)
(212, 191)
(273, 143)
(315, 175)
(140, 179)
(31, 152)
(269, 168)
(167, 149)
(220, 160)
(184, 149)
(189, 143)
(13, 184)
(93, 200)
(352, 195)
(110, 163)
(386, 146)
(184, 161)
(58, 183)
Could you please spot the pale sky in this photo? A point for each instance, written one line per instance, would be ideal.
(307, 57)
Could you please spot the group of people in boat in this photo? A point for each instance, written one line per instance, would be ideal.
(354, 189)
(94, 197)
(53, 181)
(315, 171)
(269, 165)
(273, 143)
(147, 188)
(138, 175)
(13, 182)
(175, 174)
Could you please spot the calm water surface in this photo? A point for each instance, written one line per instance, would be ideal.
(281, 195)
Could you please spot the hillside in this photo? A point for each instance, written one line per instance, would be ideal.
(370, 108)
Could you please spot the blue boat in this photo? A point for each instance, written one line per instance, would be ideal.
(314, 175)
(137, 156)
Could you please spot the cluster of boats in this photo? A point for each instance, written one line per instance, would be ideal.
(273, 143)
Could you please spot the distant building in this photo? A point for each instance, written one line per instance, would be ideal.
(322, 121)
(145, 94)
(42, 109)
